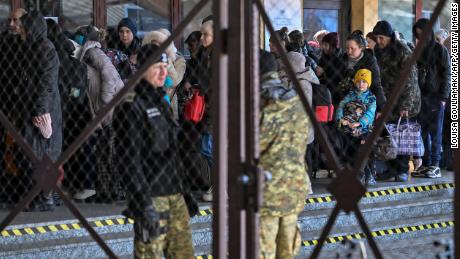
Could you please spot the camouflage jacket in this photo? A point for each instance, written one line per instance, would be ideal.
(283, 142)
(391, 62)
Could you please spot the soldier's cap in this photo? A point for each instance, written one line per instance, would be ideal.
(147, 51)
(363, 74)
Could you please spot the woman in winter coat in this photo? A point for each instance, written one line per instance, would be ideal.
(40, 111)
(358, 57)
(104, 84)
(127, 41)
(330, 65)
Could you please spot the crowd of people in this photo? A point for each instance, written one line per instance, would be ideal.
(155, 148)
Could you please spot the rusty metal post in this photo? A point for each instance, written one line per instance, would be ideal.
(254, 189)
(236, 146)
(219, 100)
(100, 13)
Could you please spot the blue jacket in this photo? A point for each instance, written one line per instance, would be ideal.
(368, 99)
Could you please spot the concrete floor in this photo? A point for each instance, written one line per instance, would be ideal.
(101, 210)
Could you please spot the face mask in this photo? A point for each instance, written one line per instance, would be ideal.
(167, 99)
(80, 39)
(168, 82)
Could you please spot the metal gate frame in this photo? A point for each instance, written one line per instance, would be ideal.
(46, 171)
(244, 174)
(235, 52)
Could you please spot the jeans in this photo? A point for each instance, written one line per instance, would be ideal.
(431, 119)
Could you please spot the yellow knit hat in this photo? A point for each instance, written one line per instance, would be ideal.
(364, 74)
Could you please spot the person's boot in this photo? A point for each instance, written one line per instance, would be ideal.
(403, 177)
(370, 172)
(41, 203)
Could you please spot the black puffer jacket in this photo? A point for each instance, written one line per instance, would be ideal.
(146, 145)
(433, 67)
(368, 61)
(333, 67)
(39, 91)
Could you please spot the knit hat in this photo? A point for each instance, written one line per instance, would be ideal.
(332, 38)
(147, 51)
(383, 28)
(267, 62)
(128, 23)
(364, 74)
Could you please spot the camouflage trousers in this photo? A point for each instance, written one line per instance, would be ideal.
(177, 242)
(279, 237)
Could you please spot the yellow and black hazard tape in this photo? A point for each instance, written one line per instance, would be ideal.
(207, 212)
(379, 233)
(383, 232)
(387, 192)
(63, 227)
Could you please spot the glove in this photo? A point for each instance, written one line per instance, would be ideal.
(43, 123)
(150, 218)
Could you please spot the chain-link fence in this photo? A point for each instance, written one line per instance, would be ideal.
(117, 125)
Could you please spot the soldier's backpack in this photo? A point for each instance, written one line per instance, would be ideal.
(322, 103)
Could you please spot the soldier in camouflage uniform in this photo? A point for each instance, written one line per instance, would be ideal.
(284, 130)
(146, 147)
(392, 55)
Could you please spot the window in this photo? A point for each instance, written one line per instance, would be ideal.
(69, 14)
(326, 15)
(317, 19)
(4, 14)
(149, 15)
(400, 14)
(443, 21)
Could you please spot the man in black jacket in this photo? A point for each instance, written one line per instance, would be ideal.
(434, 81)
(146, 147)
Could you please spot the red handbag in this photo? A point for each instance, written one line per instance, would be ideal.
(194, 108)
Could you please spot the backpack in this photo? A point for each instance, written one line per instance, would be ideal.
(73, 80)
(73, 86)
(121, 62)
(322, 103)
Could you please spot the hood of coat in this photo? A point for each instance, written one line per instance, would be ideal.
(35, 26)
(306, 74)
(62, 44)
(422, 24)
(87, 46)
(273, 88)
(158, 37)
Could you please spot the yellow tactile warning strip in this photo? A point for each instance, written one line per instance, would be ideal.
(378, 233)
(206, 212)
(384, 232)
(386, 192)
(63, 227)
